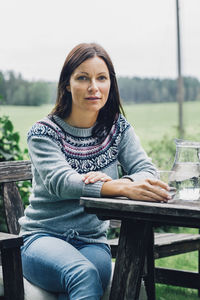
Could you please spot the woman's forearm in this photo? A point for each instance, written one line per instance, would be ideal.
(115, 188)
(146, 190)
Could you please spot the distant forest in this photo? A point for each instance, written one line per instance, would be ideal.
(14, 90)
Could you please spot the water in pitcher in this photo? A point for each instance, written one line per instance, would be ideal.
(186, 179)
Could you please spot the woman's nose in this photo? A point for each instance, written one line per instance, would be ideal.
(93, 86)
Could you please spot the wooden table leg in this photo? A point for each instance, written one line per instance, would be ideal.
(130, 258)
(149, 278)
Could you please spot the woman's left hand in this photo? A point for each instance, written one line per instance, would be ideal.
(92, 177)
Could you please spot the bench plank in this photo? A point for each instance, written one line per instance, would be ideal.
(175, 243)
(168, 244)
(177, 277)
(8, 240)
(15, 171)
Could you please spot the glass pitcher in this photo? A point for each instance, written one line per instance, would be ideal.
(186, 167)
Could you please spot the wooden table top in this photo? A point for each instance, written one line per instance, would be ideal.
(175, 212)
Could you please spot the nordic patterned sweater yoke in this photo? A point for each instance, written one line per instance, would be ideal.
(60, 154)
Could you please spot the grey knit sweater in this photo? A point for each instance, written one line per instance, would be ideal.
(60, 154)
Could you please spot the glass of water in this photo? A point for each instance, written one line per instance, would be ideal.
(168, 178)
(183, 185)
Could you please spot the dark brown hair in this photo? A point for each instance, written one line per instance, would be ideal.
(108, 114)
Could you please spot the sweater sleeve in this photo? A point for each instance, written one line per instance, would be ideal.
(134, 160)
(53, 171)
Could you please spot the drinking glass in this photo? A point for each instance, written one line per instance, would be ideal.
(187, 189)
(168, 178)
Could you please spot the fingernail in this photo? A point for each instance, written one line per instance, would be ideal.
(86, 181)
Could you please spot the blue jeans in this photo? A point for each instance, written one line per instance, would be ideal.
(73, 269)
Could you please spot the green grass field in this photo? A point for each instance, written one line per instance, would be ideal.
(187, 261)
(151, 123)
(23, 117)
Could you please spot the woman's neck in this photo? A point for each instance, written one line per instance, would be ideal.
(81, 121)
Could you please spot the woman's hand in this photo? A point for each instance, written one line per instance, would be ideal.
(149, 190)
(146, 190)
(92, 177)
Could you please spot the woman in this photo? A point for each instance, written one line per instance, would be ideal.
(75, 152)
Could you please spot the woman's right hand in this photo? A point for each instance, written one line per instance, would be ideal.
(147, 190)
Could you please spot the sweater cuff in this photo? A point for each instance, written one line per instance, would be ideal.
(93, 189)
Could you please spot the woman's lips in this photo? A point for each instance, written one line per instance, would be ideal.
(92, 98)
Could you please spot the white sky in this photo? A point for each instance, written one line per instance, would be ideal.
(139, 35)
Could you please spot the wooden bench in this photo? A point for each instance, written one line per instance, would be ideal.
(166, 244)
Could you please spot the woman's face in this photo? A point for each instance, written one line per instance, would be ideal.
(89, 86)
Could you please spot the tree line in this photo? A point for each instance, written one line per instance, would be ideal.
(17, 91)
(145, 90)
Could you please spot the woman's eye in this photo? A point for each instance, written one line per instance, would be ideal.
(102, 78)
(82, 78)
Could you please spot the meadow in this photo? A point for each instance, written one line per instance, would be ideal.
(152, 123)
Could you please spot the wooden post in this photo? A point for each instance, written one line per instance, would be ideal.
(12, 266)
(199, 267)
(180, 92)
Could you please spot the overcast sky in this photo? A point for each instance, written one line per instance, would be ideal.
(139, 35)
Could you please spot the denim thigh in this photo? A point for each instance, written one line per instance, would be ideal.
(99, 255)
(75, 268)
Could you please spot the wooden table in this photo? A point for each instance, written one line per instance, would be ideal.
(136, 235)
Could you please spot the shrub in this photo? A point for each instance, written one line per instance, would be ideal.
(9, 141)
(10, 150)
(163, 152)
